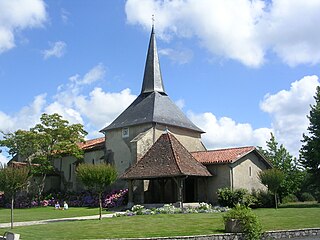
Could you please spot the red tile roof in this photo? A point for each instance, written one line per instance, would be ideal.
(92, 144)
(166, 158)
(228, 155)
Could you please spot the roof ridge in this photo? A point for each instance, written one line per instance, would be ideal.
(174, 153)
(221, 149)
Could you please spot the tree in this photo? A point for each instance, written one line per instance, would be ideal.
(310, 150)
(272, 179)
(13, 179)
(51, 139)
(97, 178)
(282, 160)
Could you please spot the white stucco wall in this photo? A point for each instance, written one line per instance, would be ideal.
(66, 166)
(221, 178)
(246, 170)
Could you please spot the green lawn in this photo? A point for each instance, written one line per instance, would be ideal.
(166, 225)
(41, 213)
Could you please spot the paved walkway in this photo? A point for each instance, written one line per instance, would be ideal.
(38, 222)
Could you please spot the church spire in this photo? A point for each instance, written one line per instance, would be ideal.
(152, 79)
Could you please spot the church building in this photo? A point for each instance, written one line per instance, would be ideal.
(158, 151)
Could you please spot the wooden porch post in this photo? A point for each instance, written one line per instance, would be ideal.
(179, 182)
(130, 194)
(206, 189)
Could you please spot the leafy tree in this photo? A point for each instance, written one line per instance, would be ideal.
(97, 178)
(310, 151)
(13, 179)
(281, 159)
(272, 178)
(51, 139)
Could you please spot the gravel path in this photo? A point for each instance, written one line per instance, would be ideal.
(38, 222)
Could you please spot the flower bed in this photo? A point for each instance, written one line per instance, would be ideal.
(112, 199)
(170, 209)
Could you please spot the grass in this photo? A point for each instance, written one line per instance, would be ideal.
(166, 225)
(42, 213)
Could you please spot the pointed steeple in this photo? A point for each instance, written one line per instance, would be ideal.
(152, 79)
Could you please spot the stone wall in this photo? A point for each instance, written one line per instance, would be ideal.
(313, 233)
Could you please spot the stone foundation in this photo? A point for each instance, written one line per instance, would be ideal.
(299, 233)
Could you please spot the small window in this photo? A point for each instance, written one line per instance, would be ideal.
(125, 132)
(250, 171)
(70, 172)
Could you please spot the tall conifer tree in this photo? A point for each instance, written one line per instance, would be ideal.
(310, 151)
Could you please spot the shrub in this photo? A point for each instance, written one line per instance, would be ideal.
(290, 198)
(249, 222)
(305, 197)
(264, 199)
(230, 198)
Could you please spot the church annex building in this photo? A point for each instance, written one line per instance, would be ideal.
(158, 151)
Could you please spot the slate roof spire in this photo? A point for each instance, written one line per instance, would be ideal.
(152, 79)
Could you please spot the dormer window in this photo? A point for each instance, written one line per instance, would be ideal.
(125, 132)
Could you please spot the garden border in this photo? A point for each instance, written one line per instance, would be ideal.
(280, 234)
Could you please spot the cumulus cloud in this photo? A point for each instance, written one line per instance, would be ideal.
(101, 108)
(291, 31)
(289, 108)
(57, 49)
(177, 56)
(95, 110)
(242, 30)
(3, 159)
(95, 74)
(27, 117)
(225, 132)
(16, 15)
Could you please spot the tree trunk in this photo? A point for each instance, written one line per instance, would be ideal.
(275, 200)
(100, 206)
(12, 202)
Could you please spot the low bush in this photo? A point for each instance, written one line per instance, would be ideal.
(249, 222)
(264, 199)
(230, 198)
(290, 198)
(307, 197)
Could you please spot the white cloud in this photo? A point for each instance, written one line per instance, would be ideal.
(64, 15)
(95, 74)
(101, 108)
(225, 132)
(3, 159)
(242, 30)
(16, 15)
(95, 110)
(66, 112)
(177, 56)
(180, 103)
(292, 31)
(57, 49)
(27, 117)
(289, 108)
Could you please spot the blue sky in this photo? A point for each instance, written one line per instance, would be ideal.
(239, 69)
